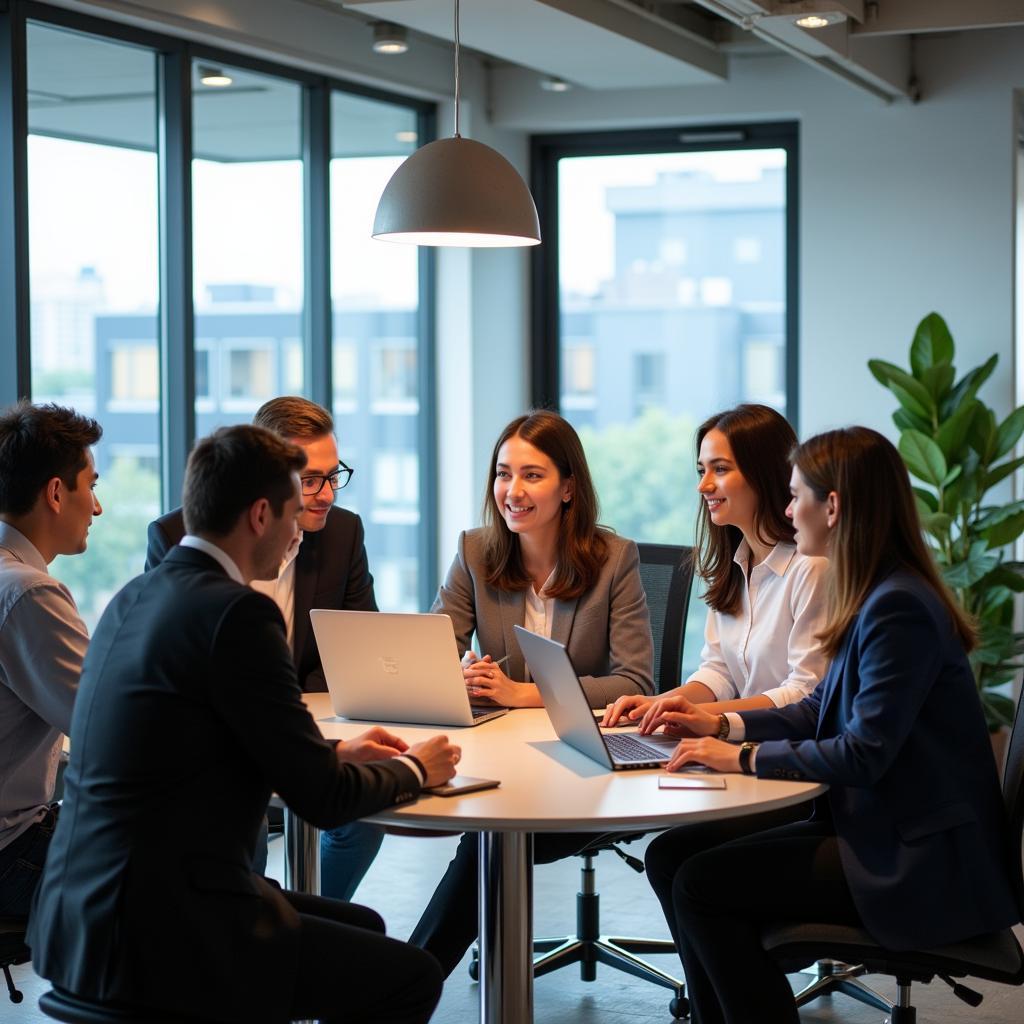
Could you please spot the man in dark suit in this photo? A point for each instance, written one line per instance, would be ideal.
(328, 569)
(189, 714)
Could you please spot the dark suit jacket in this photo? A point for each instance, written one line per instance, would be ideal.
(331, 571)
(607, 630)
(188, 715)
(896, 730)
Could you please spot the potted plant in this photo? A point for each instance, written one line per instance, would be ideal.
(953, 443)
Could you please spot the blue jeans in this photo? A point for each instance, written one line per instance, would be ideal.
(21, 864)
(346, 854)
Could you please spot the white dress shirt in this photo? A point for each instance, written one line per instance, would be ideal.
(538, 613)
(282, 589)
(769, 647)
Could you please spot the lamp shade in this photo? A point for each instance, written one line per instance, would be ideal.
(457, 192)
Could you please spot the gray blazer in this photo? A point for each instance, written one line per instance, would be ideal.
(607, 630)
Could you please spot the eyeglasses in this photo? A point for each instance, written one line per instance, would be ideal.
(337, 478)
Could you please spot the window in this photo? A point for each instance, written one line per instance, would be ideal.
(380, 348)
(275, 299)
(668, 302)
(248, 265)
(92, 183)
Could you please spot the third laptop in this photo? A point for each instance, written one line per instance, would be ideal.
(570, 713)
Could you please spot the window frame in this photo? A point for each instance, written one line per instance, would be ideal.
(176, 340)
(545, 152)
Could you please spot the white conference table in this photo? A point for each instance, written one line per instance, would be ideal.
(546, 786)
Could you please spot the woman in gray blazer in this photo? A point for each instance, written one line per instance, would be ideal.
(540, 561)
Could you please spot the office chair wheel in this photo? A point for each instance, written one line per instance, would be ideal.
(474, 965)
(679, 1007)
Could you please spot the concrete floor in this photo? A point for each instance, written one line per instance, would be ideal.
(407, 869)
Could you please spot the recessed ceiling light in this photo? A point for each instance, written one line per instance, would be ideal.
(389, 39)
(821, 20)
(552, 84)
(213, 77)
(406, 136)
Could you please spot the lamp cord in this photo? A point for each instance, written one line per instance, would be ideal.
(456, 68)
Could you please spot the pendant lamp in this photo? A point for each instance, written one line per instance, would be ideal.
(457, 192)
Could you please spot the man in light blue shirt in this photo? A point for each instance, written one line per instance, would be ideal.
(47, 504)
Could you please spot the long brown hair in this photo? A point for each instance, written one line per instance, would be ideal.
(761, 440)
(877, 531)
(582, 548)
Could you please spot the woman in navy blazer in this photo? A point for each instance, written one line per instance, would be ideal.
(909, 841)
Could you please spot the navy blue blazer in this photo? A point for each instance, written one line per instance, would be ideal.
(331, 571)
(897, 731)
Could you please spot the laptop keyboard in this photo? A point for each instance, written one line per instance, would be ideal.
(626, 748)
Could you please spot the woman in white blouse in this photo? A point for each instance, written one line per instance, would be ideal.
(766, 605)
(765, 601)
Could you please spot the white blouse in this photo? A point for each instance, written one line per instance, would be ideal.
(769, 646)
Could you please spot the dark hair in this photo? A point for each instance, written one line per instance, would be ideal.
(231, 469)
(761, 440)
(878, 528)
(38, 443)
(582, 548)
(294, 417)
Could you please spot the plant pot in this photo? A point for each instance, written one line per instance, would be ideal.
(1000, 738)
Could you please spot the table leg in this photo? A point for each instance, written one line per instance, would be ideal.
(301, 854)
(506, 928)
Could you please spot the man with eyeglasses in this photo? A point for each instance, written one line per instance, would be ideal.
(326, 568)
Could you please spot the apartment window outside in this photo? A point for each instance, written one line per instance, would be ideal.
(673, 277)
(93, 258)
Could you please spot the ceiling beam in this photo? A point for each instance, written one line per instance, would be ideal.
(903, 17)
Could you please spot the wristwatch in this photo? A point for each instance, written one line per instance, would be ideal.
(723, 728)
(746, 752)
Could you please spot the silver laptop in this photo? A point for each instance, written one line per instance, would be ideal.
(572, 717)
(390, 667)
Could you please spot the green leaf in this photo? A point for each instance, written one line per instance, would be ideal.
(982, 435)
(951, 436)
(1009, 433)
(1009, 575)
(908, 421)
(994, 476)
(932, 344)
(923, 457)
(927, 499)
(1005, 532)
(978, 563)
(938, 380)
(968, 387)
(952, 475)
(895, 379)
(993, 515)
(999, 709)
(936, 523)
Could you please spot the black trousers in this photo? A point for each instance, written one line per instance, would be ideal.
(717, 899)
(448, 925)
(350, 971)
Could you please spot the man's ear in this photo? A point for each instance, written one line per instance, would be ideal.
(53, 494)
(832, 509)
(259, 516)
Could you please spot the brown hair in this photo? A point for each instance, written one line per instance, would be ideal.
(38, 443)
(294, 417)
(231, 469)
(877, 531)
(582, 548)
(761, 440)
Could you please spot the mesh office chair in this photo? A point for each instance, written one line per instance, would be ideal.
(996, 957)
(667, 573)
